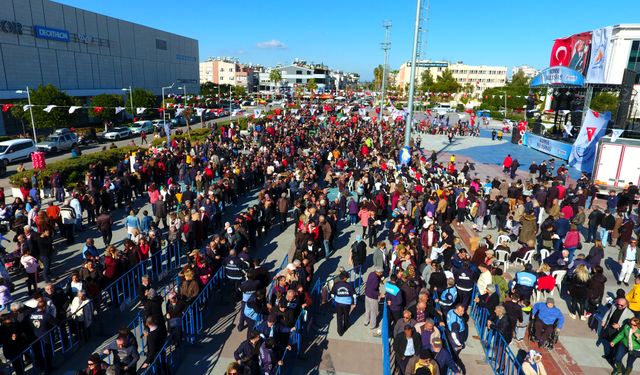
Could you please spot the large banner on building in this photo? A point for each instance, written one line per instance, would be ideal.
(583, 152)
(572, 52)
(600, 49)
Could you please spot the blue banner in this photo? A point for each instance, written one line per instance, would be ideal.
(51, 34)
(560, 150)
(583, 153)
(558, 75)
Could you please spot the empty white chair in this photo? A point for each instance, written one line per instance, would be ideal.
(502, 257)
(559, 276)
(543, 254)
(528, 257)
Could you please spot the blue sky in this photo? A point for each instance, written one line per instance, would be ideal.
(346, 34)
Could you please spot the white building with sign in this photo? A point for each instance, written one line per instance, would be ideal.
(480, 77)
(85, 53)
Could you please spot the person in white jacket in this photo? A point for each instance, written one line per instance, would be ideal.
(485, 278)
(81, 312)
(30, 265)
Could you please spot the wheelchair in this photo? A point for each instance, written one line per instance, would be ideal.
(553, 338)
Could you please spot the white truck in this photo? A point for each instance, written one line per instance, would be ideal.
(617, 164)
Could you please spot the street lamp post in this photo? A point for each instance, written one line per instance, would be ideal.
(412, 77)
(386, 45)
(33, 124)
(184, 94)
(163, 105)
(130, 99)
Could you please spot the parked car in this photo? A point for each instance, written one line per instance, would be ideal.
(116, 134)
(139, 126)
(178, 121)
(16, 149)
(61, 140)
(159, 124)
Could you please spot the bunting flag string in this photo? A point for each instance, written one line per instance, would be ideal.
(73, 108)
(140, 110)
(119, 109)
(49, 108)
(615, 134)
(6, 107)
(26, 107)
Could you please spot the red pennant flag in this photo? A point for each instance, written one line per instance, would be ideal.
(429, 112)
(98, 110)
(596, 115)
(6, 107)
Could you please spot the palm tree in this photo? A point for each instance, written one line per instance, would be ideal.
(275, 76)
(378, 72)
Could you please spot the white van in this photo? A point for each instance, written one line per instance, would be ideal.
(443, 109)
(16, 149)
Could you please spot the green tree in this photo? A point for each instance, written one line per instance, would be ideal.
(446, 83)
(275, 76)
(109, 102)
(239, 91)
(605, 101)
(378, 72)
(57, 117)
(208, 88)
(19, 113)
(141, 99)
(312, 85)
(426, 81)
(519, 80)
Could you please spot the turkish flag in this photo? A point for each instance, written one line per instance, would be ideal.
(561, 52)
(277, 111)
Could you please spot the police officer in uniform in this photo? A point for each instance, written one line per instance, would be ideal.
(41, 321)
(344, 296)
(525, 281)
(234, 268)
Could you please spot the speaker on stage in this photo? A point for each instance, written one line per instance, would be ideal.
(624, 98)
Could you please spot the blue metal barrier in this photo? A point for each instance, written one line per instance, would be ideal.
(272, 285)
(323, 288)
(295, 340)
(498, 354)
(386, 342)
(166, 361)
(196, 312)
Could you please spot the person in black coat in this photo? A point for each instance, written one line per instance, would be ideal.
(152, 307)
(500, 322)
(248, 353)
(405, 352)
(156, 338)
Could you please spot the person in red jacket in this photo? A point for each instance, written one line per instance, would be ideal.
(506, 164)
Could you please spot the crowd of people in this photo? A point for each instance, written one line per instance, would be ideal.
(321, 176)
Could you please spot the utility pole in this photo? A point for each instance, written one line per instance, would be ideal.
(386, 46)
(412, 76)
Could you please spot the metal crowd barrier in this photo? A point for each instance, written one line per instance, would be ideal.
(386, 342)
(295, 340)
(65, 337)
(124, 290)
(195, 314)
(498, 354)
(273, 283)
(321, 289)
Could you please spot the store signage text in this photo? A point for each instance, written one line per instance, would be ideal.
(11, 27)
(51, 34)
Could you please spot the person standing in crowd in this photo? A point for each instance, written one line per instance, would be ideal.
(372, 297)
(629, 339)
(283, 211)
(612, 322)
(629, 258)
(406, 345)
(68, 215)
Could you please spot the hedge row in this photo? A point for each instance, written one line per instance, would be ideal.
(74, 170)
